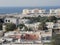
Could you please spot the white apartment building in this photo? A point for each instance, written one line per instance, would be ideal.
(55, 11)
(51, 12)
(33, 11)
(11, 20)
(15, 20)
(26, 11)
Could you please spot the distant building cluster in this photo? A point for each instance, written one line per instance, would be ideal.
(40, 11)
(32, 11)
(28, 18)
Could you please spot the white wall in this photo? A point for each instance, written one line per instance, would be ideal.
(50, 24)
(12, 20)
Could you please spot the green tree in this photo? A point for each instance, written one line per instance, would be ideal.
(21, 26)
(42, 26)
(10, 27)
(52, 19)
(25, 27)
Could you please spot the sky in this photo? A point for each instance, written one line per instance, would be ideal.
(29, 3)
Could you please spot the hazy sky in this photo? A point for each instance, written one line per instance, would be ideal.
(29, 3)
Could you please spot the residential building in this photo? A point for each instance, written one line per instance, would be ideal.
(25, 21)
(46, 36)
(34, 26)
(55, 12)
(11, 20)
(49, 25)
(33, 11)
(31, 36)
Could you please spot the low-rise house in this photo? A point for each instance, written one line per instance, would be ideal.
(23, 21)
(56, 28)
(39, 36)
(8, 39)
(11, 20)
(49, 25)
(15, 36)
(34, 26)
(33, 36)
(15, 20)
(46, 36)
(57, 25)
(52, 11)
(30, 37)
(11, 33)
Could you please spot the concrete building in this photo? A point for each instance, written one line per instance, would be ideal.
(11, 20)
(55, 11)
(25, 21)
(30, 37)
(50, 25)
(46, 36)
(52, 11)
(56, 26)
(11, 33)
(34, 26)
(33, 11)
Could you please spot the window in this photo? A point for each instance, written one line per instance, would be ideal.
(8, 20)
(48, 38)
(46, 31)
